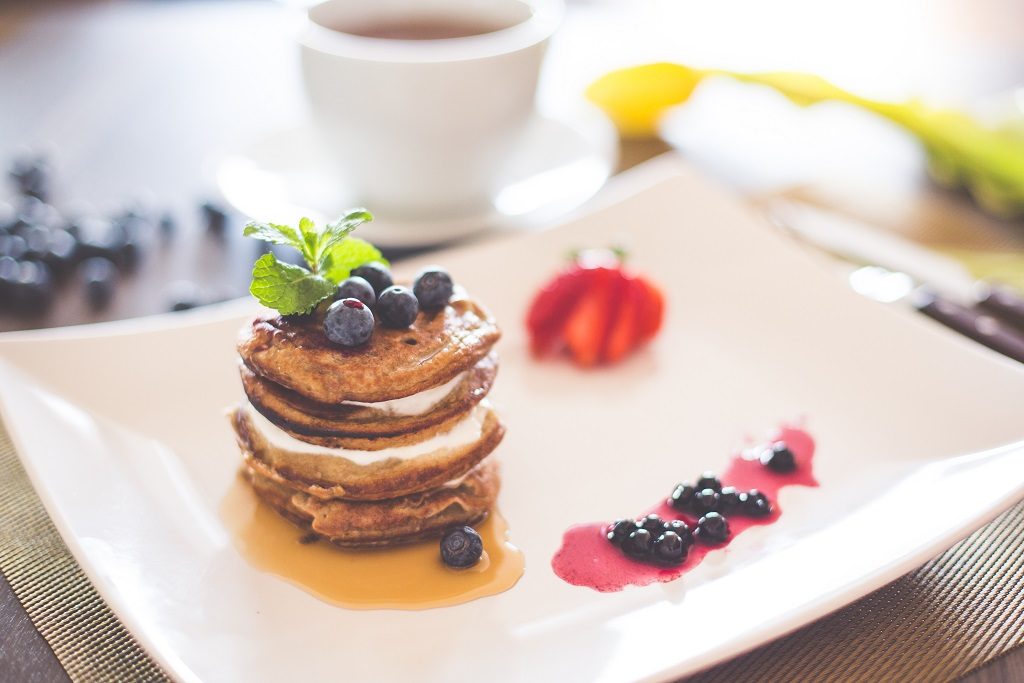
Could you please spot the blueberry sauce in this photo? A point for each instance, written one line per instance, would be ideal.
(586, 558)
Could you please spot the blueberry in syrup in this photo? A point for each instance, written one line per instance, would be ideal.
(638, 543)
(397, 307)
(461, 547)
(778, 458)
(348, 322)
(681, 529)
(376, 273)
(355, 287)
(669, 548)
(681, 497)
(728, 499)
(712, 529)
(704, 501)
(753, 503)
(620, 529)
(708, 480)
(653, 523)
(433, 288)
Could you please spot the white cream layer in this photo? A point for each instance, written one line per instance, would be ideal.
(465, 432)
(417, 404)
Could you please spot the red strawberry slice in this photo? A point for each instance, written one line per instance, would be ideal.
(652, 310)
(586, 331)
(552, 306)
(625, 332)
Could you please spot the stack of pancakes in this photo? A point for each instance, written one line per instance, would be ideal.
(379, 445)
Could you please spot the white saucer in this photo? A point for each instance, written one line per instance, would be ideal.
(561, 164)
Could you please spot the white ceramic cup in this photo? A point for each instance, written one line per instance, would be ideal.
(421, 128)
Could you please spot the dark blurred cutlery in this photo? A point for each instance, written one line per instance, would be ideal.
(894, 269)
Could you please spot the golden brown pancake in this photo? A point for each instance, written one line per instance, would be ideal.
(387, 522)
(363, 427)
(294, 352)
(333, 476)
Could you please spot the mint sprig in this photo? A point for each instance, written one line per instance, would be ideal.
(330, 255)
(287, 288)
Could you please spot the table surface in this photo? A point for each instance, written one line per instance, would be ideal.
(128, 115)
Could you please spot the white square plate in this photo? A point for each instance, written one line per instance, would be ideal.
(122, 430)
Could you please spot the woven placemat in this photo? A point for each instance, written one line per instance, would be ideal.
(89, 641)
(936, 624)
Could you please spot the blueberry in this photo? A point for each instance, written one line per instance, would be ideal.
(778, 458)
(753, 503)
(183, 295)
(728, 499)
(669, 548)
(433, 288)
(681, 529)
(681, 497)
(130, 252)
(13, 246)
(8, 217)
(35, 212)
(712, 529)
(620, 529)
(36, 241)
(356, 287)
(638, 543)
(9, 271)
(100, 238)
(348, 322)
(98, 278)
(31, 175)
(397, 307)
(214, 216)
(461, 547)
(704, 501)
(376, 273)
(167, 226)
(709, 480)
(33, 288)
(653, 523)
(61, 249)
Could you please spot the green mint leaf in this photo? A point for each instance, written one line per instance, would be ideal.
(273, 233)
(337, 231)
(310, 241)
(287, 288)
(347, 254)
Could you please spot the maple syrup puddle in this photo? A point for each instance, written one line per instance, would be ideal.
(409, 577)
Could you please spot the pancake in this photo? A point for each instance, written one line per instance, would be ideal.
(387, 522)
(357, 426)
(333, 475)
(292, 351)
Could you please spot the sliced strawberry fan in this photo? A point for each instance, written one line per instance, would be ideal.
(596, 310)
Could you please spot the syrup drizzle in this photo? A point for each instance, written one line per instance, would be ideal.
(586, 558)
(409, 577)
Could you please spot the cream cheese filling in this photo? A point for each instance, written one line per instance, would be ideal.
(465, 432)
(417, 404)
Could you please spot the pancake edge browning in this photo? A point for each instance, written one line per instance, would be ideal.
(398, 521)
(363, 427)
(330, 476)
(294, 353)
